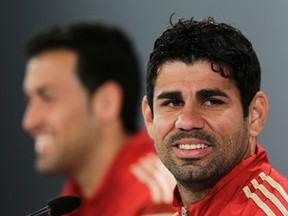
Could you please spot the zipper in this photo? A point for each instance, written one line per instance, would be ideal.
(184, 211)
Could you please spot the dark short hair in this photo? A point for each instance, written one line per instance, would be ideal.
(104, 53)
(225, 47)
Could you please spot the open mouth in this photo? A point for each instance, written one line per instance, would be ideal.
(192, 146)
(43, 143)
(192, 151)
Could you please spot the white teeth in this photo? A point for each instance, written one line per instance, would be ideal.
(43, 141)
(192, 146)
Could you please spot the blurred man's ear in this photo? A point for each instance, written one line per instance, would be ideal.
(258, 110)
(107, 102)
(147, 115)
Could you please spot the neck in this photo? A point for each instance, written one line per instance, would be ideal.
(89, 175)
(193, 193)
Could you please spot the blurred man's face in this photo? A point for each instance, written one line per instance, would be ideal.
(198, 126)
(57, 114)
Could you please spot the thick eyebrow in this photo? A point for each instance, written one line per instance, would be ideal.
(208, 93)
(40, 91)
(170, 95)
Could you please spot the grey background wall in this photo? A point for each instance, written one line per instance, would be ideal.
(264, 22)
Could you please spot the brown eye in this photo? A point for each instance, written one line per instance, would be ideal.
(26, 99)
(214, 102)
(173, 103)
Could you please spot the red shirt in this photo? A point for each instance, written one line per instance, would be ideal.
(136, 183)
(250, 188)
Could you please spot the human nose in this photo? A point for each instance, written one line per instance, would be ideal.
(32, 117)
(189, 118)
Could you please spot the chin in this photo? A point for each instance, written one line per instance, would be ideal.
(44, 168)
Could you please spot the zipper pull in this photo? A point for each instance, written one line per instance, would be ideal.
(184, 211)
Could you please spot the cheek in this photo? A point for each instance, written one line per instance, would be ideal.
(66, 117)
(226, 125)
(163, 125)
(71, 120)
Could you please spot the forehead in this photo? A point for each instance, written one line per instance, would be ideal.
(55, 67)
(178, 76)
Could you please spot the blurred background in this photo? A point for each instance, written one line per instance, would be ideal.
(264, 22)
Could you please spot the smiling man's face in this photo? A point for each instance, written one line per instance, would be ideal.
(57, 114)
(197, 126)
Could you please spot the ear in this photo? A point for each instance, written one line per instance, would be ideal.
(258, 113)
(147, 115)
(107, 102)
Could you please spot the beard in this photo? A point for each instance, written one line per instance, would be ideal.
(212, 167)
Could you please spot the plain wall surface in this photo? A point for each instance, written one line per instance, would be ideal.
(264, 22)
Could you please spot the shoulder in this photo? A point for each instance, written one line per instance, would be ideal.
(269, 192)
(139, 167)
(150, 171)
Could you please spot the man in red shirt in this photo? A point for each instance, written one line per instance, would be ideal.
(82, 85)
(204, 110)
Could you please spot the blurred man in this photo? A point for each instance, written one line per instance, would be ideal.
(82, 85)
(204, 110)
